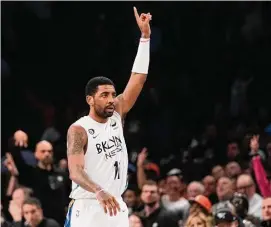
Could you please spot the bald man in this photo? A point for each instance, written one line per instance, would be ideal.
(246, 185)
(44, 154)
(49, 185)
(195, 188)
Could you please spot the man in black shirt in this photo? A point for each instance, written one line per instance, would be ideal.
(153, 214)
(48, 184)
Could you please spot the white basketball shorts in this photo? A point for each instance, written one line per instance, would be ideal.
(89, 213)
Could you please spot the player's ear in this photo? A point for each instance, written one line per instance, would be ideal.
(90, 100)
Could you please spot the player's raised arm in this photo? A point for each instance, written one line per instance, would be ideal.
(127, 99)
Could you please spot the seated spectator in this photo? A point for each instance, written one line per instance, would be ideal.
(226, 218)
(240, 203)
(173, 199)
(15, 205)
(153, 214)
(218, 172)
(33, 215)
(266, 212)
(130, 197)
(135, 221)
(224, 190)
(233, 169)
(197, 219)
(200, 204)
(210, 185)
(246, 185)
(195, 188)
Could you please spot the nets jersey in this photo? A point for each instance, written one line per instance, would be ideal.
(106, 160)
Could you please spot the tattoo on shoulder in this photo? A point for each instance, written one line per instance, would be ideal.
(76, 140)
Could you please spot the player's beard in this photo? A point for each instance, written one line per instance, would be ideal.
(103, 112)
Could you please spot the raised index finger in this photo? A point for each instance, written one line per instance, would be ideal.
(136, 14)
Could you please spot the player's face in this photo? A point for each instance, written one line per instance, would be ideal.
(104, 101)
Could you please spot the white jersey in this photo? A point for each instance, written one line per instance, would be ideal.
(106, 159)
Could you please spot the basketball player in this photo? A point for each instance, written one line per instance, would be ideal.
(97, 154)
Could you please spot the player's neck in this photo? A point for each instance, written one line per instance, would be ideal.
(96, 118)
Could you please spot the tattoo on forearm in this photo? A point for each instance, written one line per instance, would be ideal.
(83, 180)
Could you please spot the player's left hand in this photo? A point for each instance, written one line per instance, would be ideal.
(143, 22)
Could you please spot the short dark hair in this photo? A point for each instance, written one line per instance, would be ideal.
(32, 201)
(93, 83)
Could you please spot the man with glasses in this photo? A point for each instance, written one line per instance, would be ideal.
(246, 185)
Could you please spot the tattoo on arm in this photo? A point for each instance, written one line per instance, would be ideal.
(77, 139)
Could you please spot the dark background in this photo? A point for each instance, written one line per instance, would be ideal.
(51, 49)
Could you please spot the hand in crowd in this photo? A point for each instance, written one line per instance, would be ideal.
(21, 139)
(142, 157)
(15, 210)
(10, 164)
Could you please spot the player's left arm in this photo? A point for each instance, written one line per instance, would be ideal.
(127, 99)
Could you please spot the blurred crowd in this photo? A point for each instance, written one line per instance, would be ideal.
(199, 137)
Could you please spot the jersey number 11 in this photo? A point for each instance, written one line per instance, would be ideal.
(117, 170)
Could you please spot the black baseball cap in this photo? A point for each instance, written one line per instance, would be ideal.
(224, 216)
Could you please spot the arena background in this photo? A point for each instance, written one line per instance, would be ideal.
(49, 50)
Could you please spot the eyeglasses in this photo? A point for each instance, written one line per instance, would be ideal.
(244, 187)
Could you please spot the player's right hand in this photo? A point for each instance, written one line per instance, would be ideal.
(108, 202)
(21, 138)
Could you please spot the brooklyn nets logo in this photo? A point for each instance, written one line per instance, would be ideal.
(109, 148)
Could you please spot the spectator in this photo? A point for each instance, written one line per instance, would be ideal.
(33, 215)
(195, 188)
(48, 184)
(201, 204)
(210, 185)
(218, 172)
(246, 185)
(199, 219)
(224, 190)
(15, 205)
(135, 221)
(130, 197)
(240, 203)
(266, 212)
(174, 199)
(224, 217)
(152, 212)
(233, 169)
